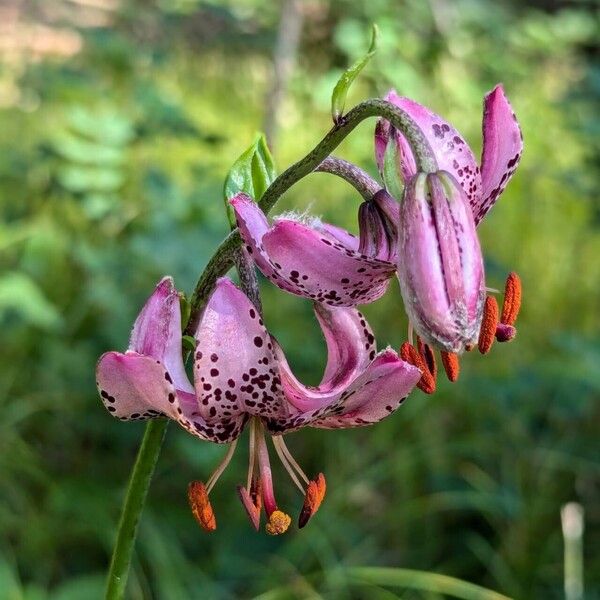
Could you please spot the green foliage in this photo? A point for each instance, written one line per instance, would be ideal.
(251, 173)
(340, 91)
(112, 164)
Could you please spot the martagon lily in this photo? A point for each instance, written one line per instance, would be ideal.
(440, 266)
(434, 246)
(240, 376)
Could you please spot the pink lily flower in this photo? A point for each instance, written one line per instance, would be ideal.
(241, 375)
(440, 265)
(500, 156)
(320, 261)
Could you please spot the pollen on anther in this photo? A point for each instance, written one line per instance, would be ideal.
(512, 299)
(451, 365)
(278, 523)
(410, 354)
(315, 492)
(201, 507)
(487, 333)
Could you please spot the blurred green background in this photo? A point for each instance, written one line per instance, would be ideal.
(119, 120)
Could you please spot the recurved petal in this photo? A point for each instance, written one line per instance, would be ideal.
(137, 387)
(234, 367)
(350, 349)
(374, 395)
(322, 268)
(502, 148)
(157, 332)
(453, 154)
(310, 262)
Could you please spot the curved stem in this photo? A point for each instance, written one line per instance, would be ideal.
(222, 260)
(364, 184)
(132, 508)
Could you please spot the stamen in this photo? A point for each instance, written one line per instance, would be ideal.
(512, 299)
(410, 333)
(427, 354)
(410, 354)
(200, 505)
(251, 453)
(492, 290)
(278, 523)
(312, 501)
(210, 484)
(451, 365)
(286, 464)
(291, 459)
(489, 323)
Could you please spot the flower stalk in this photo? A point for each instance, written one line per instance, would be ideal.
(139, 482)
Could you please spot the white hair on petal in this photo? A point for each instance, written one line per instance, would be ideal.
(305, 217)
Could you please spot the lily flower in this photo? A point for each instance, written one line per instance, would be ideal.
(240, 375)
(320, 261)
(440, 266)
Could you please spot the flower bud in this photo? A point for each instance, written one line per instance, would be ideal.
(440, 266)
(378, 225)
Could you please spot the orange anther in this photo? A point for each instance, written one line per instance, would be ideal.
(315, 492)
(512, 299)
(411, 355)
(278, 523)
(428, 356)
(200, 505)
(489, 323)
(451, 365)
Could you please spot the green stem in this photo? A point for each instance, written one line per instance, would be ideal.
(362, 182)
(132, 508)
(222, 260)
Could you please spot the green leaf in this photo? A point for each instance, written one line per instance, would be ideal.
(422, 580)
(251, 173)
(338, 98)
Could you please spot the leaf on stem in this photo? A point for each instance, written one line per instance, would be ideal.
(340, 91)
(251, 173)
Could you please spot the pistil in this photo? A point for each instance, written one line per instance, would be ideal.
(278, 522)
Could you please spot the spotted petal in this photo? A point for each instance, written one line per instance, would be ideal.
(157, 331)
(353, 378)
(350, 349)
(373, 396)
(310, 261)
(451, 151)
(502, 148)
(137, 387)
(234, 367)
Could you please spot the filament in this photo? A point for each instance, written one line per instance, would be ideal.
(251, 453)
(291, 459)
(222, 466)
(286, 464)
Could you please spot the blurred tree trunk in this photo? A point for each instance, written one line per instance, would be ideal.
(284, 61)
